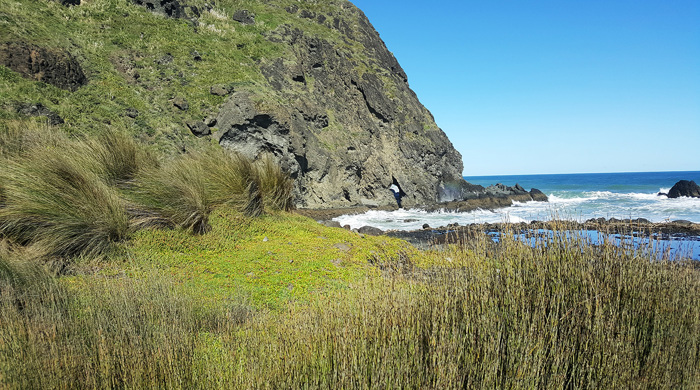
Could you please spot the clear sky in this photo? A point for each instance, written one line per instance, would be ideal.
(561, 86)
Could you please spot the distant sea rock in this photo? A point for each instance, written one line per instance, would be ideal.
(684, 188)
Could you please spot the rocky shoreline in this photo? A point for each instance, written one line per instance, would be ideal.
(432, 237)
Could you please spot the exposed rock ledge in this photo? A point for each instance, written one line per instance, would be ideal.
(476, 197)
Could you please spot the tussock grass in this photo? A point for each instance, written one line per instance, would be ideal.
(176, 191)
(275, 185)
(55, 201)
(118, 156)
(186, 189)
(18, 137)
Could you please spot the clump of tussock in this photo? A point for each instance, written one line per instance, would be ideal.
(54, 200)
(185, 189)
(177, 193)
(18, 137)
(22, 273)
(231, 180)
(275, 185)
(119, 158)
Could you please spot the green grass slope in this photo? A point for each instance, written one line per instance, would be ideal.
(138, 60)
(270, 260)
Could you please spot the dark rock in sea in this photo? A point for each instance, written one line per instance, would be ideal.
(370, 230)
(684, 188)
(426, 226)
(38, 109)
(244, 17)
(198, 128)
(662, 194)
(538, 195)
(51, 66)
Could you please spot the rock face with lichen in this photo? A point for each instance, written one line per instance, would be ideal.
(346, 130)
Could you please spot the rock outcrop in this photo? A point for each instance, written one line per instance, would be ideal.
(685, 188)
(50, 66)
(349, 129)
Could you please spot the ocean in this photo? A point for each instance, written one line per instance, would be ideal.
(577, 197)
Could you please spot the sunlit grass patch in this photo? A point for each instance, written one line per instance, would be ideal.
(275, 258)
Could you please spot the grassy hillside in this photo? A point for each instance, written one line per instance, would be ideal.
(138, 60)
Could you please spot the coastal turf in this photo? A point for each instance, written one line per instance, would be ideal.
(268, 260)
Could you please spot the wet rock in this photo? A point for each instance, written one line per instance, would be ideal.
(370, 230)
(51, 66)
(538, 195)
(684, 188)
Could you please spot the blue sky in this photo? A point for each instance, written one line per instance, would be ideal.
(527, 87)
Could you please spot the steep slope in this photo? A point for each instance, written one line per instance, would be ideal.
(310, 82)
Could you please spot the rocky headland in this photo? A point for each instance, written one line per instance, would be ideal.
(311, 83)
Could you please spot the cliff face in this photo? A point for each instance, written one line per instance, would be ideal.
(347, 128)
(310, 82)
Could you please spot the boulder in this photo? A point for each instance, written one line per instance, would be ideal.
(171, 8)
(69, 2)
(685, 188)
(370, 230)
(181, 103)
(51, 66)
(219, 90)
(38, 109)
(198, 128)
(242, 16)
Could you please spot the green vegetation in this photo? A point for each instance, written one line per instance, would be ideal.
(125, 267)
(139, 61)
(478, 315)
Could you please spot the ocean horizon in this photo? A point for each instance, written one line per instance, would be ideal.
(575, 197)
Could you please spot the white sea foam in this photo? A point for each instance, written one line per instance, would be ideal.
(578, 206)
